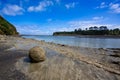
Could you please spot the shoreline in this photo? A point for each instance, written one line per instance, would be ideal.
(85, 36)
(96, 58)
(93, 36)
(101, 36)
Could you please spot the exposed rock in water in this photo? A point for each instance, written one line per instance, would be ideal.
(36, 54)
(7, 28)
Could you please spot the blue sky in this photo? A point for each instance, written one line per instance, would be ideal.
(48, 16)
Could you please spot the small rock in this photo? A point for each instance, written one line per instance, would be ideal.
(37, 54)
(115, 55)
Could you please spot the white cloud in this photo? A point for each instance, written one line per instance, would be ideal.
(115, 7)
(41, 7)
(80, 24)
(98, 18)
(41, 30)
(66, 26)
(87, 24)
(61, 29)
(31, 8)
(103, 5)
(70, 5)
(31, 29)
(72, 25)
(112, 7)
(12, 10)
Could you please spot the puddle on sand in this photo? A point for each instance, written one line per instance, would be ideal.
(60, 67)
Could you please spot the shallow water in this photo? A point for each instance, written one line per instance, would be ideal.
(82, 42)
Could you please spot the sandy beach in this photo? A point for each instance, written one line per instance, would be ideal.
(63, 62)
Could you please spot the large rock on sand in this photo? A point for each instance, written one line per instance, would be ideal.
(37, 54)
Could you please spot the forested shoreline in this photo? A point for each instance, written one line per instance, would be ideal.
(102, 30)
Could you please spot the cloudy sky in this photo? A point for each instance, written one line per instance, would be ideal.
(48, 16)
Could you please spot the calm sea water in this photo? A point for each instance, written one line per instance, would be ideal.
(82, 42)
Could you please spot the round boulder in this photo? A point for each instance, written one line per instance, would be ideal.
(37, 54)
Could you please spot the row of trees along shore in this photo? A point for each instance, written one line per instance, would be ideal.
(102, 30)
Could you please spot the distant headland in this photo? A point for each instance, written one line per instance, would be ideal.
(101, 31)
(7, 28)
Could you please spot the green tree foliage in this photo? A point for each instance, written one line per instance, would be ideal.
(102, 30)
(7, 28)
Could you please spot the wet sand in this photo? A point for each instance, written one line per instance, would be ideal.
(8, 59)
(63, 62)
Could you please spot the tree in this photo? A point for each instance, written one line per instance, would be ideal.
(116, 31)
(75, 30)
(95, 28)
(79, 29)
(103, 28)
(91, 28)
(86, 29)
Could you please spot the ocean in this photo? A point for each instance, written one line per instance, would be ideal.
(80, 41)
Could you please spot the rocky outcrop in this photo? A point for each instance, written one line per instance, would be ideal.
(7, 28)
(37, 54)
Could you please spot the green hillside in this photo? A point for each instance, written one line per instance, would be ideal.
(7, 28)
